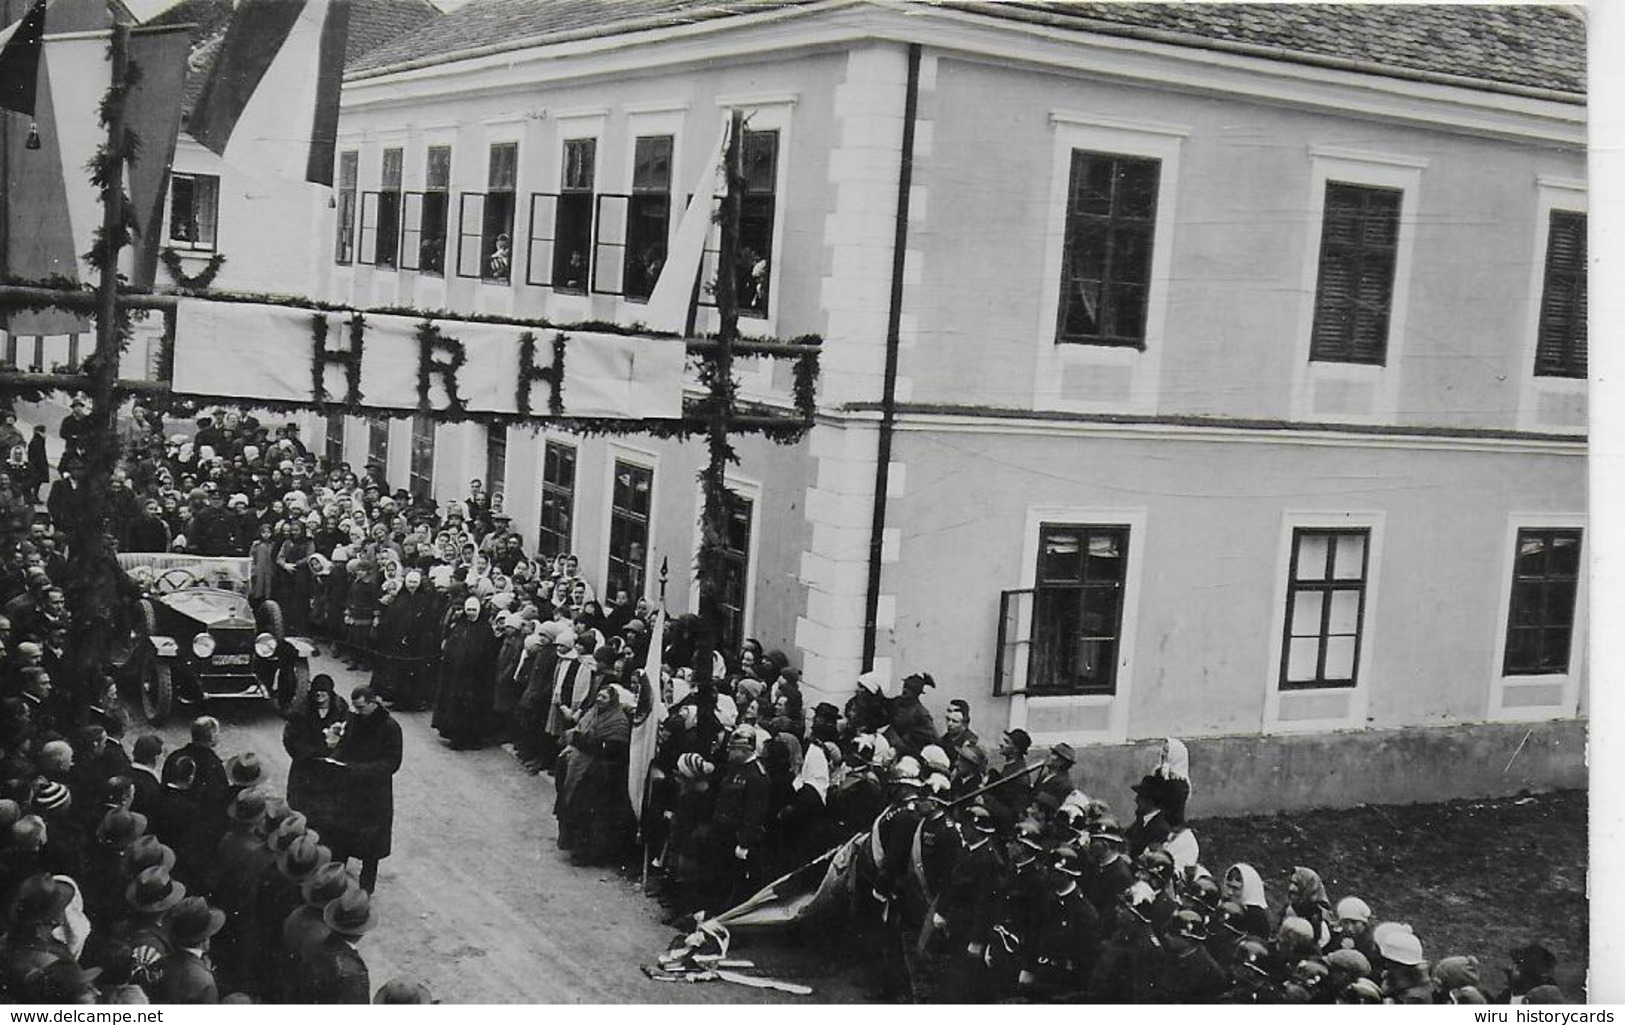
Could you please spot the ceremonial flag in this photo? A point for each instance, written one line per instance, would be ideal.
(820, 885)
(19, 60)
(271, 102)
(667, 309)
(646, 734)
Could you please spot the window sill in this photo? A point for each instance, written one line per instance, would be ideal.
(1316, 688)
(1373, 364)
(185, 250)
(1101, 343)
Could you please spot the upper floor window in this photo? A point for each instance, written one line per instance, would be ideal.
(485, 235)
(1560, 346)
(424, 216)
(194, 210)
(1325, 608)
(760, 154)
(344, 241)
(1540, 618)
(1111, 219)
(572, 238)
(389, 210)
(1359, 246)
(648, 215)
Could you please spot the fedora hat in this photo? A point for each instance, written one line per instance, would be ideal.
(247, 806)
(193, 921)
(244, 770)
(287, 831)
(326, 884)
(42, 898)
(145, 852)
(120, 828)
(154, 890)
(303, 857)
(351, 914)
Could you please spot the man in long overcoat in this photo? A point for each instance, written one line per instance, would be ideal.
(368, 755)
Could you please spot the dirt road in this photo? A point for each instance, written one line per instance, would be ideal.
(477, 899)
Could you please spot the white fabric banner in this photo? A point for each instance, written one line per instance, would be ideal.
(261, 351)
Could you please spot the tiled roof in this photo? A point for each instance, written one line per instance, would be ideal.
(511, 24)
(1519, 47)
(1531, 46)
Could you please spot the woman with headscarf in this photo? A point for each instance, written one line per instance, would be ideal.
(1168, 785)
(806, 827)
(1243, 885)
(594, 811)
(1307, 899)
(293, 580)
(305, 739)
(462, 706)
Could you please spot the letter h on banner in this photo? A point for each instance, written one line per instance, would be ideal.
(322, 357)
(530, 373)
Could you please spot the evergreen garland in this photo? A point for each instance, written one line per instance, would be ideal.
(430, 342)
(190, 283)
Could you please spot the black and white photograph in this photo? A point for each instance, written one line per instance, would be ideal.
(804, 502)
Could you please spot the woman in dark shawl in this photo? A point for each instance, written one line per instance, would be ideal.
(594, 811)
(305, 738)
(462, 707)
(291, 589)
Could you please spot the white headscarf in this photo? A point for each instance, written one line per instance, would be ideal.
(727, 711)
(1184, 849)
(1176, 760)
(814, 772)
(1252, 885)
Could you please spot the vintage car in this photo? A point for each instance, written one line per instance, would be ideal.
(197, 638)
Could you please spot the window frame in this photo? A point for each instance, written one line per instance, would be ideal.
(496, 469)
(1087, 531)
(1113, 228)
(1551, 535)
(616, 454)
(1578, 353)
(1378, 381)
(749, 490)
(487, 238)
(711, 255)
(1535, 697)
(1540, 395)
(1296, 586)
(1298, 710)
(1054, 363)
(389, 213)
(441, 191)
(573, 195)
(333, 440)
(547, 487)
(349, 174)
(378, 427)
(193, 245)
(1357, 253)
(420, 465)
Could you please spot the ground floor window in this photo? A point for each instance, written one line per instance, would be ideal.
(496, 459)
(421, 471)
(1077, 609)
(378, 446)
(1325, 608)
(1540, 617)
(334, 441)
(734, 560)
(558, 498)
(629, 528)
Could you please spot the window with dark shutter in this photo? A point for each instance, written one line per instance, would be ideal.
(572, 238)
(344, 238)
(1540, 616)
(1111, 219)
(1359, 244)
(1560, 347)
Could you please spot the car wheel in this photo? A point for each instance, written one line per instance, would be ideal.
(292, 686)
(269, 617)
(149, 617)
(157, 692)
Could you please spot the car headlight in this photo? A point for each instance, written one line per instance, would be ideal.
(265, 645)
(203, 645)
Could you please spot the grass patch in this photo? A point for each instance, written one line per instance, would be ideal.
(1471, 877)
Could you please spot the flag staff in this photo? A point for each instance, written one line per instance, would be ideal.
(648, 772)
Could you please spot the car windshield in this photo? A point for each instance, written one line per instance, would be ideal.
(208, 606)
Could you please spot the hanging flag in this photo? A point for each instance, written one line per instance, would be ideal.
(153, 112)
(667, 309)
(19, 60)
(646, 734)
(271, 101)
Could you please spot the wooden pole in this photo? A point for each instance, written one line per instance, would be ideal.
(92, 570)
(719, 411)
(648, 775)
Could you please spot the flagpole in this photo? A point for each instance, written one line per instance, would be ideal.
(648, 770)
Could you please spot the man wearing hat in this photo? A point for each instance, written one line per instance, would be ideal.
(1054, 781)
(739, 821)
(965, 907)
(240, 863)
(35, 912)
(305, 928)
(334, 971)
(149, 896)
(911, 726)
(1064, 939)
(103, 885)
(1008, 801)
(280, 894)
(185, 974)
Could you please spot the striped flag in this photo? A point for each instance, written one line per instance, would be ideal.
(667, 309)
(271, 102)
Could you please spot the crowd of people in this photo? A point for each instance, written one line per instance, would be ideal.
(189, 879)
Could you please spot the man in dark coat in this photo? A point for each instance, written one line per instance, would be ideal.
(739, 821)
(187, 977)
(210, 789)
(39, 464)
(368, 756)
(334, 971)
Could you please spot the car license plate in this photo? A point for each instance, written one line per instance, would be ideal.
(231, 660)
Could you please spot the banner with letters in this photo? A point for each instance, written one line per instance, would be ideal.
(406, 364)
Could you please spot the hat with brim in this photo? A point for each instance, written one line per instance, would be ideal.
(154, 890)
(1063, 751)
(193, 921)
(41, 898)
(302, 859)
(146, 852)
(325, 885)
(247, 806)
(351, 914)
(291, 828)
(120, 828)
(1397, 943)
